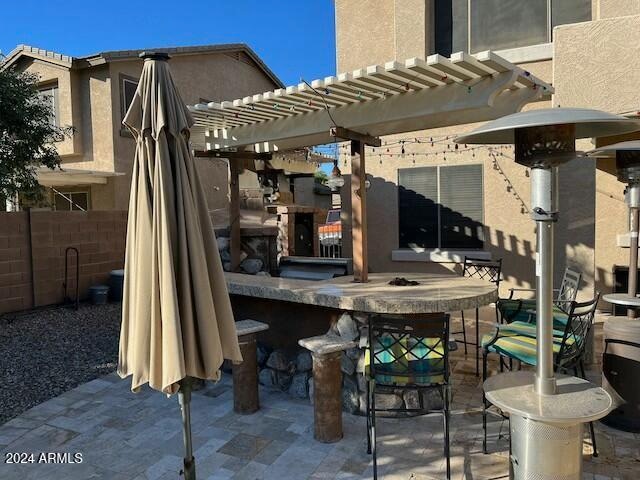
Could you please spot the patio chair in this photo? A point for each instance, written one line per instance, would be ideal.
(517, 341)
(523, 309)
(407, 355)
(486, 270)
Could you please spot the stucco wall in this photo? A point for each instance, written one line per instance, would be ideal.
(209, 77)
(615, 8)
(305, 195)
(364, 33)
(50, 74)
(597, 65)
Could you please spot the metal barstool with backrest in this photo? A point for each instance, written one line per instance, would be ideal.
(517, 341)
(407, 354)
(516, 309)
(486, 270)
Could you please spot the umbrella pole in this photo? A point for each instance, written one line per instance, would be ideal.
(184, 398)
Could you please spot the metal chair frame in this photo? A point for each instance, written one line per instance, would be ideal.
(490, 270)
(416, 330)
(564, 295)
(570, 356)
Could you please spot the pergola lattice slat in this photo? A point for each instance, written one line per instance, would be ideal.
(379, 100)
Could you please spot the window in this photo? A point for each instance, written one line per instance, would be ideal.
(49, 95)
(67, 201)
(128, 87)
(441, 207)
(477, 25)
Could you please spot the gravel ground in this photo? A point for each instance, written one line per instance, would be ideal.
(44, 353)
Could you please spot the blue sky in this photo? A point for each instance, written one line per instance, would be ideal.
(295, 38)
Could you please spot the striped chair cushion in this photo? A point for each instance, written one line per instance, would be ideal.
(518, 341)
(409, 361)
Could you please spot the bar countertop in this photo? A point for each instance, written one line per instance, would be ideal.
(435, 293)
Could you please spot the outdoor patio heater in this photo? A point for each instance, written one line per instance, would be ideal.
(621, 359)
(546, 411)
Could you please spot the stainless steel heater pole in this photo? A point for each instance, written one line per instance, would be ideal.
(542, 202)
(633, 201)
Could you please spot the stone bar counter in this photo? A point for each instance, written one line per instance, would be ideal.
(434, 293)
(303, 309)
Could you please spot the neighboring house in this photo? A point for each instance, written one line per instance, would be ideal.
(437, 203)
(92, 94)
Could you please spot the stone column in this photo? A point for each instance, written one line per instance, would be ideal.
(327, 397)
(245, 377)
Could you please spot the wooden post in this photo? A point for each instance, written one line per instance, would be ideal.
(237, 162)
(234, 214)
(359, 212)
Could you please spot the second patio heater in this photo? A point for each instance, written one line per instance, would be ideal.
(546, 411)
(621, 359)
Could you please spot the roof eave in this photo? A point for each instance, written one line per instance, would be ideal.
(128, 55)
(38, 54)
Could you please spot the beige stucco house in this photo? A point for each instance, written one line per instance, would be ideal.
(430, 203)
(92, 94)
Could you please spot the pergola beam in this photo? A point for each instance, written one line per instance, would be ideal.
(482, 99)
(232, 155)
(346, 134)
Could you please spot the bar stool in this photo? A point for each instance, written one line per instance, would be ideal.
(245, 373)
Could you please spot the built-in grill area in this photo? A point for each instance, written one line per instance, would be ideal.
(314, 268)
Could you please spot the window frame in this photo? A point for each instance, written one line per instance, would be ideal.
(123, 100)
(55, 98)
(525, 53)
(70, 194)
(439, 247)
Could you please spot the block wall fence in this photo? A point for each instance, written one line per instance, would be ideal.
(32, 254)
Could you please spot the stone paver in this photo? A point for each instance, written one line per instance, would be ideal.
(122, 435)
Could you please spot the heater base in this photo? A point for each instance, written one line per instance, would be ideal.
(546, 430)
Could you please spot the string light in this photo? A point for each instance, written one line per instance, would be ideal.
(397, 148)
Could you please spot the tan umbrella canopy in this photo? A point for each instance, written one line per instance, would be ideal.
(177, 321)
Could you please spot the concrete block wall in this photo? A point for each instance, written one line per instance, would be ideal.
(15, 271)
(32, 268)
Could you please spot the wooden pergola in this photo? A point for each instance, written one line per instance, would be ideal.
(361, 106)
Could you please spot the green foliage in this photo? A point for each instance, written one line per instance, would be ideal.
(27, 134)
(320, 177)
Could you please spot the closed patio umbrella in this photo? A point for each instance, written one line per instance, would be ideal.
(177, 322)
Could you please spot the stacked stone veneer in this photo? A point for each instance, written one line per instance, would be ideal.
(291, 371)
(258, 251)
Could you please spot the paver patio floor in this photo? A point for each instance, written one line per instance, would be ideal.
(122, 435)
